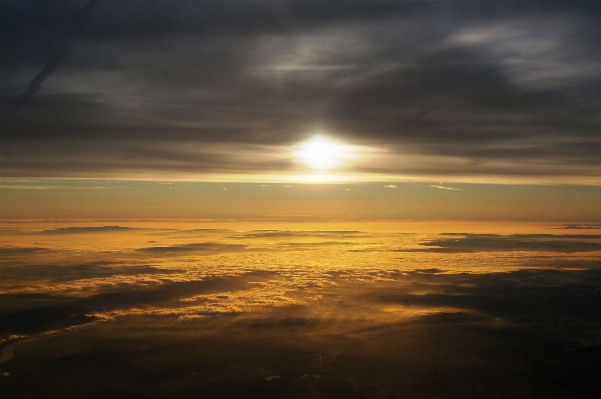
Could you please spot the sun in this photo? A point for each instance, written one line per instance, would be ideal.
(321, 153)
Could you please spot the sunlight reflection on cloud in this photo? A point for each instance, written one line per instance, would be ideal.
(281, 268)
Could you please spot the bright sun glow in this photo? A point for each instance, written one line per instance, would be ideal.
(321, 153)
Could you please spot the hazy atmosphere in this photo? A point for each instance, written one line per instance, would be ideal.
(300, 199)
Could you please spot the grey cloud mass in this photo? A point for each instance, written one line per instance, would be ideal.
(587, 226)
(201, 248)
(19, 251)
(58, 273)
(77, 230)
(516, 242)
(290, 234)
(507, 88)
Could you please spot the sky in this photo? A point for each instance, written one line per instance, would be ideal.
(300, 199)
(427, 92)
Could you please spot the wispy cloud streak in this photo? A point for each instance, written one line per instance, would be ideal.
(59, 51)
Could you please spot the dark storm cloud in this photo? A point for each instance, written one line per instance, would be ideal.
(516, 242)
(507, 88)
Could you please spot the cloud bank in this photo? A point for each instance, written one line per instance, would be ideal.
(188, 88)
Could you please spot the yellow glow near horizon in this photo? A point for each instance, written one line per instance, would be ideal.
(321, 153)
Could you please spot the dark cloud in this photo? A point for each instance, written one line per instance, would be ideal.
(68, 311)
(125, 296)
(532, 297)
(166, 294)
(212, 248)
(278, 323)
(33, 321)
(569, 263)
(290, 234)
(63, 273)
(77, 230)
(516, 242)
(206, 230)
(509, 88)
(584, 226)
(311, 245)
(20, 251)
(532, 236)
(205, 248)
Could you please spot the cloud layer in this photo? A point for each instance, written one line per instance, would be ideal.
(246, 310)
(448, 89)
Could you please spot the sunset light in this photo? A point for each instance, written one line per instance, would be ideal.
(321, 153)
(300, 199)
